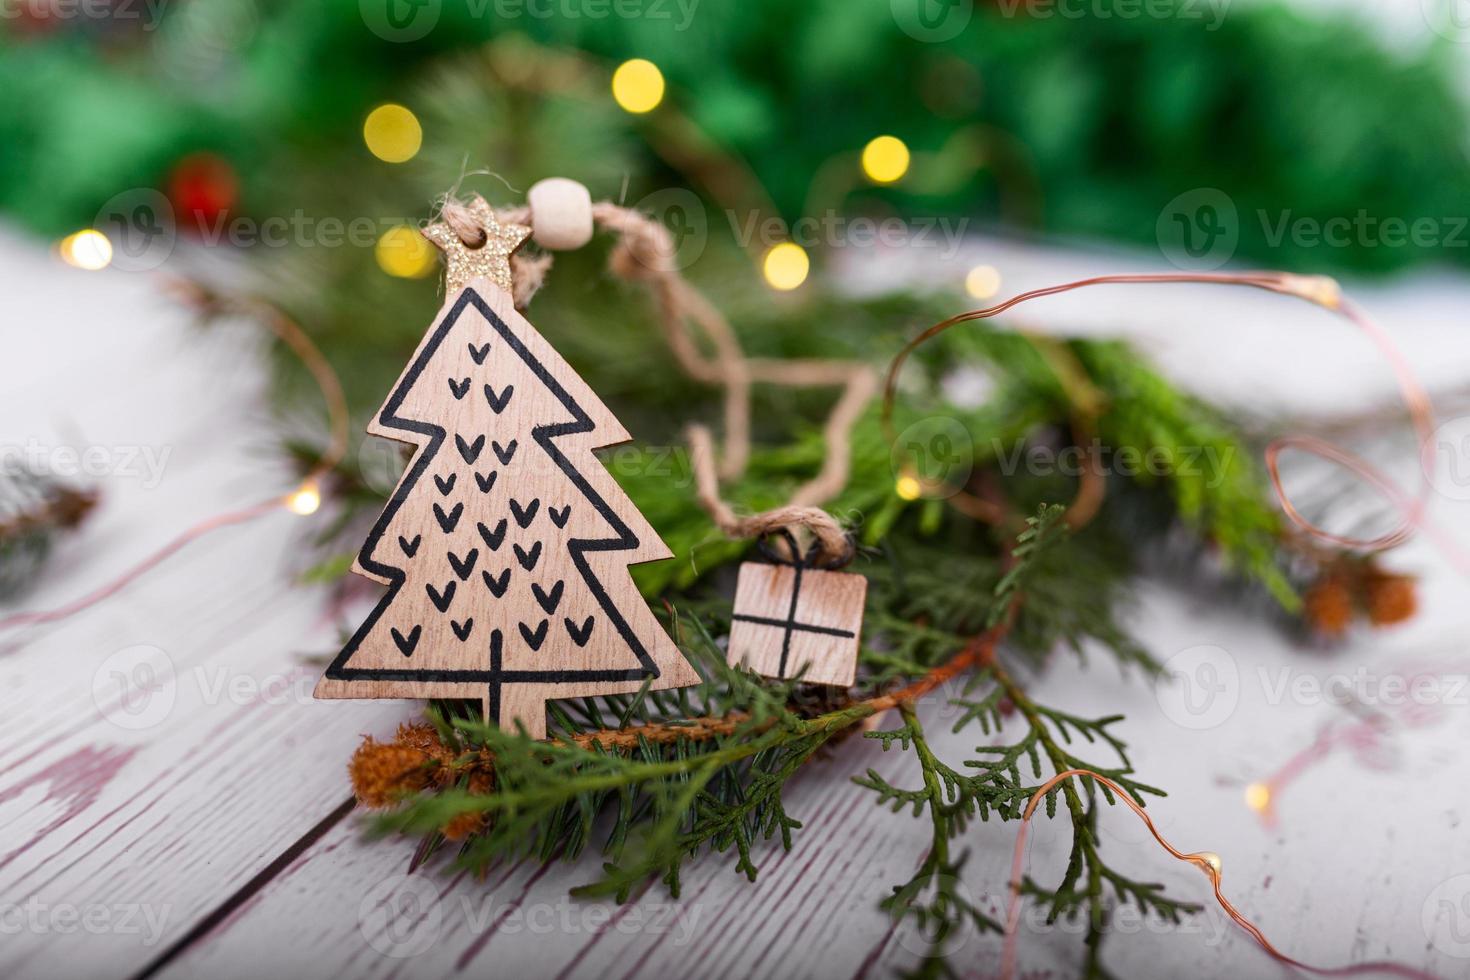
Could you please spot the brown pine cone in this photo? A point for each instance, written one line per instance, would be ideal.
(424, 738)
(1328, 606)
(382, 772)
(463, 826)
(1391, 598)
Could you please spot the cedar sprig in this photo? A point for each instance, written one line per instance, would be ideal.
(656, 779)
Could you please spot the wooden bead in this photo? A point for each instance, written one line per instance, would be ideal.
(561, 214)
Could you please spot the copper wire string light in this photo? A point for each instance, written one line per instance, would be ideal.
(1207, 862)
(1320, 290)
(303, 499)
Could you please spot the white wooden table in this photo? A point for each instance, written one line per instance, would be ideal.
(173, 803)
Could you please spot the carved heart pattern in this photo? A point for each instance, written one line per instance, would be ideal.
(498, 585)
(498, 402)
(492, 538)
(528, 559)
(549, 600)
(469, 450)
(580, 636)
(536, 638)
(407, 643)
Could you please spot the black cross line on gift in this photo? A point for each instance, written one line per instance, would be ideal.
(789, 625)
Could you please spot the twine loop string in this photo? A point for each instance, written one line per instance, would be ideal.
(645, 253)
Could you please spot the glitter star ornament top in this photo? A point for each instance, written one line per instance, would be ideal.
(463, 263)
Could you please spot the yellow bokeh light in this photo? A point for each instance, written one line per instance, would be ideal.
(885, 159)
(87, 249)
(1208, 859)
(638, 85)
(404, 253)
(908, 487)
(983, 281)
(305, 500)
(392, 133)
(786, 266)
(1258, 797)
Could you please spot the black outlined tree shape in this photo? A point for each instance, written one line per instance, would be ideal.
(506, 544)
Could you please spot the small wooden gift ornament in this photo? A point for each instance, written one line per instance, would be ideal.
(506, 545)
(793, 617)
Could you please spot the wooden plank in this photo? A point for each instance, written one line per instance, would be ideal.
(813, 911)
(159, 750)
(184, 815)
(521, 920)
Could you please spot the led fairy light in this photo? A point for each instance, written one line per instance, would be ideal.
(1322, 291)
(1208, 862)
(304, 500)
(638, 86)
(885, 159)
(983, 281)
(404, 253)
(87, 249)
(392, 133)
(786, 266)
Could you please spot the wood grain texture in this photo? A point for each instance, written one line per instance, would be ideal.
(136, 802)
(184, 815)
(809, 915)
(506, 544)
(791, 620)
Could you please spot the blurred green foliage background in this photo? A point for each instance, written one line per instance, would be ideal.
(1085, 126)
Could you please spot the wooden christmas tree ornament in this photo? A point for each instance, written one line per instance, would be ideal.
(506, 545)
(794, 618)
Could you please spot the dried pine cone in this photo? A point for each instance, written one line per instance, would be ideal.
(382, 772)
(1390, 598)
(425, 738)
(1328, 606)
(463, 826)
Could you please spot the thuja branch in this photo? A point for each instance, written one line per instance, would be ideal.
(706, 768)
(979, 652)
(687, 779)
